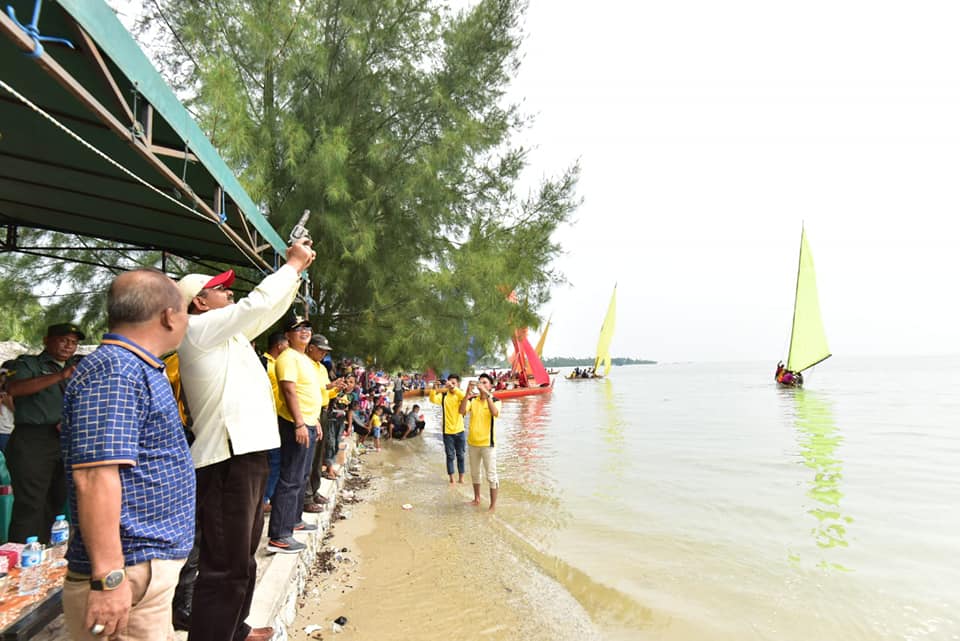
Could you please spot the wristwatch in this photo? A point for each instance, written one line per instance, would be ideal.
(110, 582)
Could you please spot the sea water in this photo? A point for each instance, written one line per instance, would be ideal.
(699, 501)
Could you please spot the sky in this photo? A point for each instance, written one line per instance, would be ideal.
(709, 132)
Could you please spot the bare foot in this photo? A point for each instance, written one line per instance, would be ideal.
(492, 509)
(451, 480)
(474, 502)
(460, 481)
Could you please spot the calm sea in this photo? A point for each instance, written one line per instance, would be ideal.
(701, 502)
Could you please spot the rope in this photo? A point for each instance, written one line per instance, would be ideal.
(126, 171)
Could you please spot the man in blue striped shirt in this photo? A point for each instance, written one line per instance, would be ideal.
(129, 472)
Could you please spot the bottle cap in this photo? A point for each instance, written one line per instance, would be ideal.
(61, 517)
(31, 539)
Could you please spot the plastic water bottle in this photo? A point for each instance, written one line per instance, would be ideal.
(31, 574)
(59, 536)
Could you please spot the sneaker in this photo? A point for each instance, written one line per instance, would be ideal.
(288, 545)
(304, 527)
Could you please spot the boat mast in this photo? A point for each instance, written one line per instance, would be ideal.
(796, 291)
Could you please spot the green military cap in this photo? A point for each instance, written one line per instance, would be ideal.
(64, 329)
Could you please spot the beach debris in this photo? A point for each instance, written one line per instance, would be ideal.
(407, 506)
(338, 623)
(313, 627)
(344, 515)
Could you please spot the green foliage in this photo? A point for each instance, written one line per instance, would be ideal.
(386, 119)
(60, 278)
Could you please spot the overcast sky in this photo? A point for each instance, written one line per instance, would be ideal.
(709, 131)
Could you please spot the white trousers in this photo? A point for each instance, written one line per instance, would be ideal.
(486, 456)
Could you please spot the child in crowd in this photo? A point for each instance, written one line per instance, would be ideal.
(375, 426)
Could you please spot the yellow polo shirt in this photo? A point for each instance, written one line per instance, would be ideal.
(298, 368)
(483, 424)
(272, 375)
(324, 381)
(450, 401)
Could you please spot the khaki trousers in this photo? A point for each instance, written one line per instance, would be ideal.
(151, 616)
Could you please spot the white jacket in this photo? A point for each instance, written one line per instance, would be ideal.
(226, 386)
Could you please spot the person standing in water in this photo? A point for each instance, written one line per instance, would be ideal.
(484, 409)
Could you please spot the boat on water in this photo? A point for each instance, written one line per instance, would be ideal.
(517, 392)
(603, 345)
(527, 369)
(808, 340)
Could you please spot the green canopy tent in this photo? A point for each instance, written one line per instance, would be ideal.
(144, 173)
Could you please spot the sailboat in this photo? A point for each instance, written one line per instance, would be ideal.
(603, 343)
(532, 376)
(808, 341)
(539, 347)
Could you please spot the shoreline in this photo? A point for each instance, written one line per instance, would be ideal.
(440, 570)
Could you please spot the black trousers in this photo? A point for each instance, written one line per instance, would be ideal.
(39, 483)
(230, 520)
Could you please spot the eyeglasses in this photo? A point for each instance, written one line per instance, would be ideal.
(303, 329)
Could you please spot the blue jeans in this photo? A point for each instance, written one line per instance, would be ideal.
(455, 444)
(273, 458)
(295, 462)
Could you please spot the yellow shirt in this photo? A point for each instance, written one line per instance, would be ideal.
(482, 423)
(374, 421)
(296, 367)
(327, 394)
(450, 401)
(272, 375)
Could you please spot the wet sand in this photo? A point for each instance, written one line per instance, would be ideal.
(439, 571)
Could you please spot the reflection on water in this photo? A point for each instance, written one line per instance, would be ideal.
(819, 439)
(529, 436)
(611, 431)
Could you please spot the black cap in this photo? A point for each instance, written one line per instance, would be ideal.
(320, 341)
(296, 321)
(65, 329)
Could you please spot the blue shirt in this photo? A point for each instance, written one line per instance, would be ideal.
(119, 410)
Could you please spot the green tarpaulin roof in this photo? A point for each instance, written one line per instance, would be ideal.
(107, 92)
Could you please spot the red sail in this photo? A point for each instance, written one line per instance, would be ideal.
(534, 364)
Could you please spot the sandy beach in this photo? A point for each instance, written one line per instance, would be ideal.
(434, 572)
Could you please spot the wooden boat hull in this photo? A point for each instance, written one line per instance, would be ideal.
(517, 392)
(583, 378)
(411, 393)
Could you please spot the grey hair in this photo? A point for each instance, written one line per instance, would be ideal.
(139, 295)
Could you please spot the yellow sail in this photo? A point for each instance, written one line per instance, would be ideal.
(808, 341)
(606, 335)
(543, 338)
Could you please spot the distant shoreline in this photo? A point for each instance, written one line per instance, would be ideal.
(567, 361)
